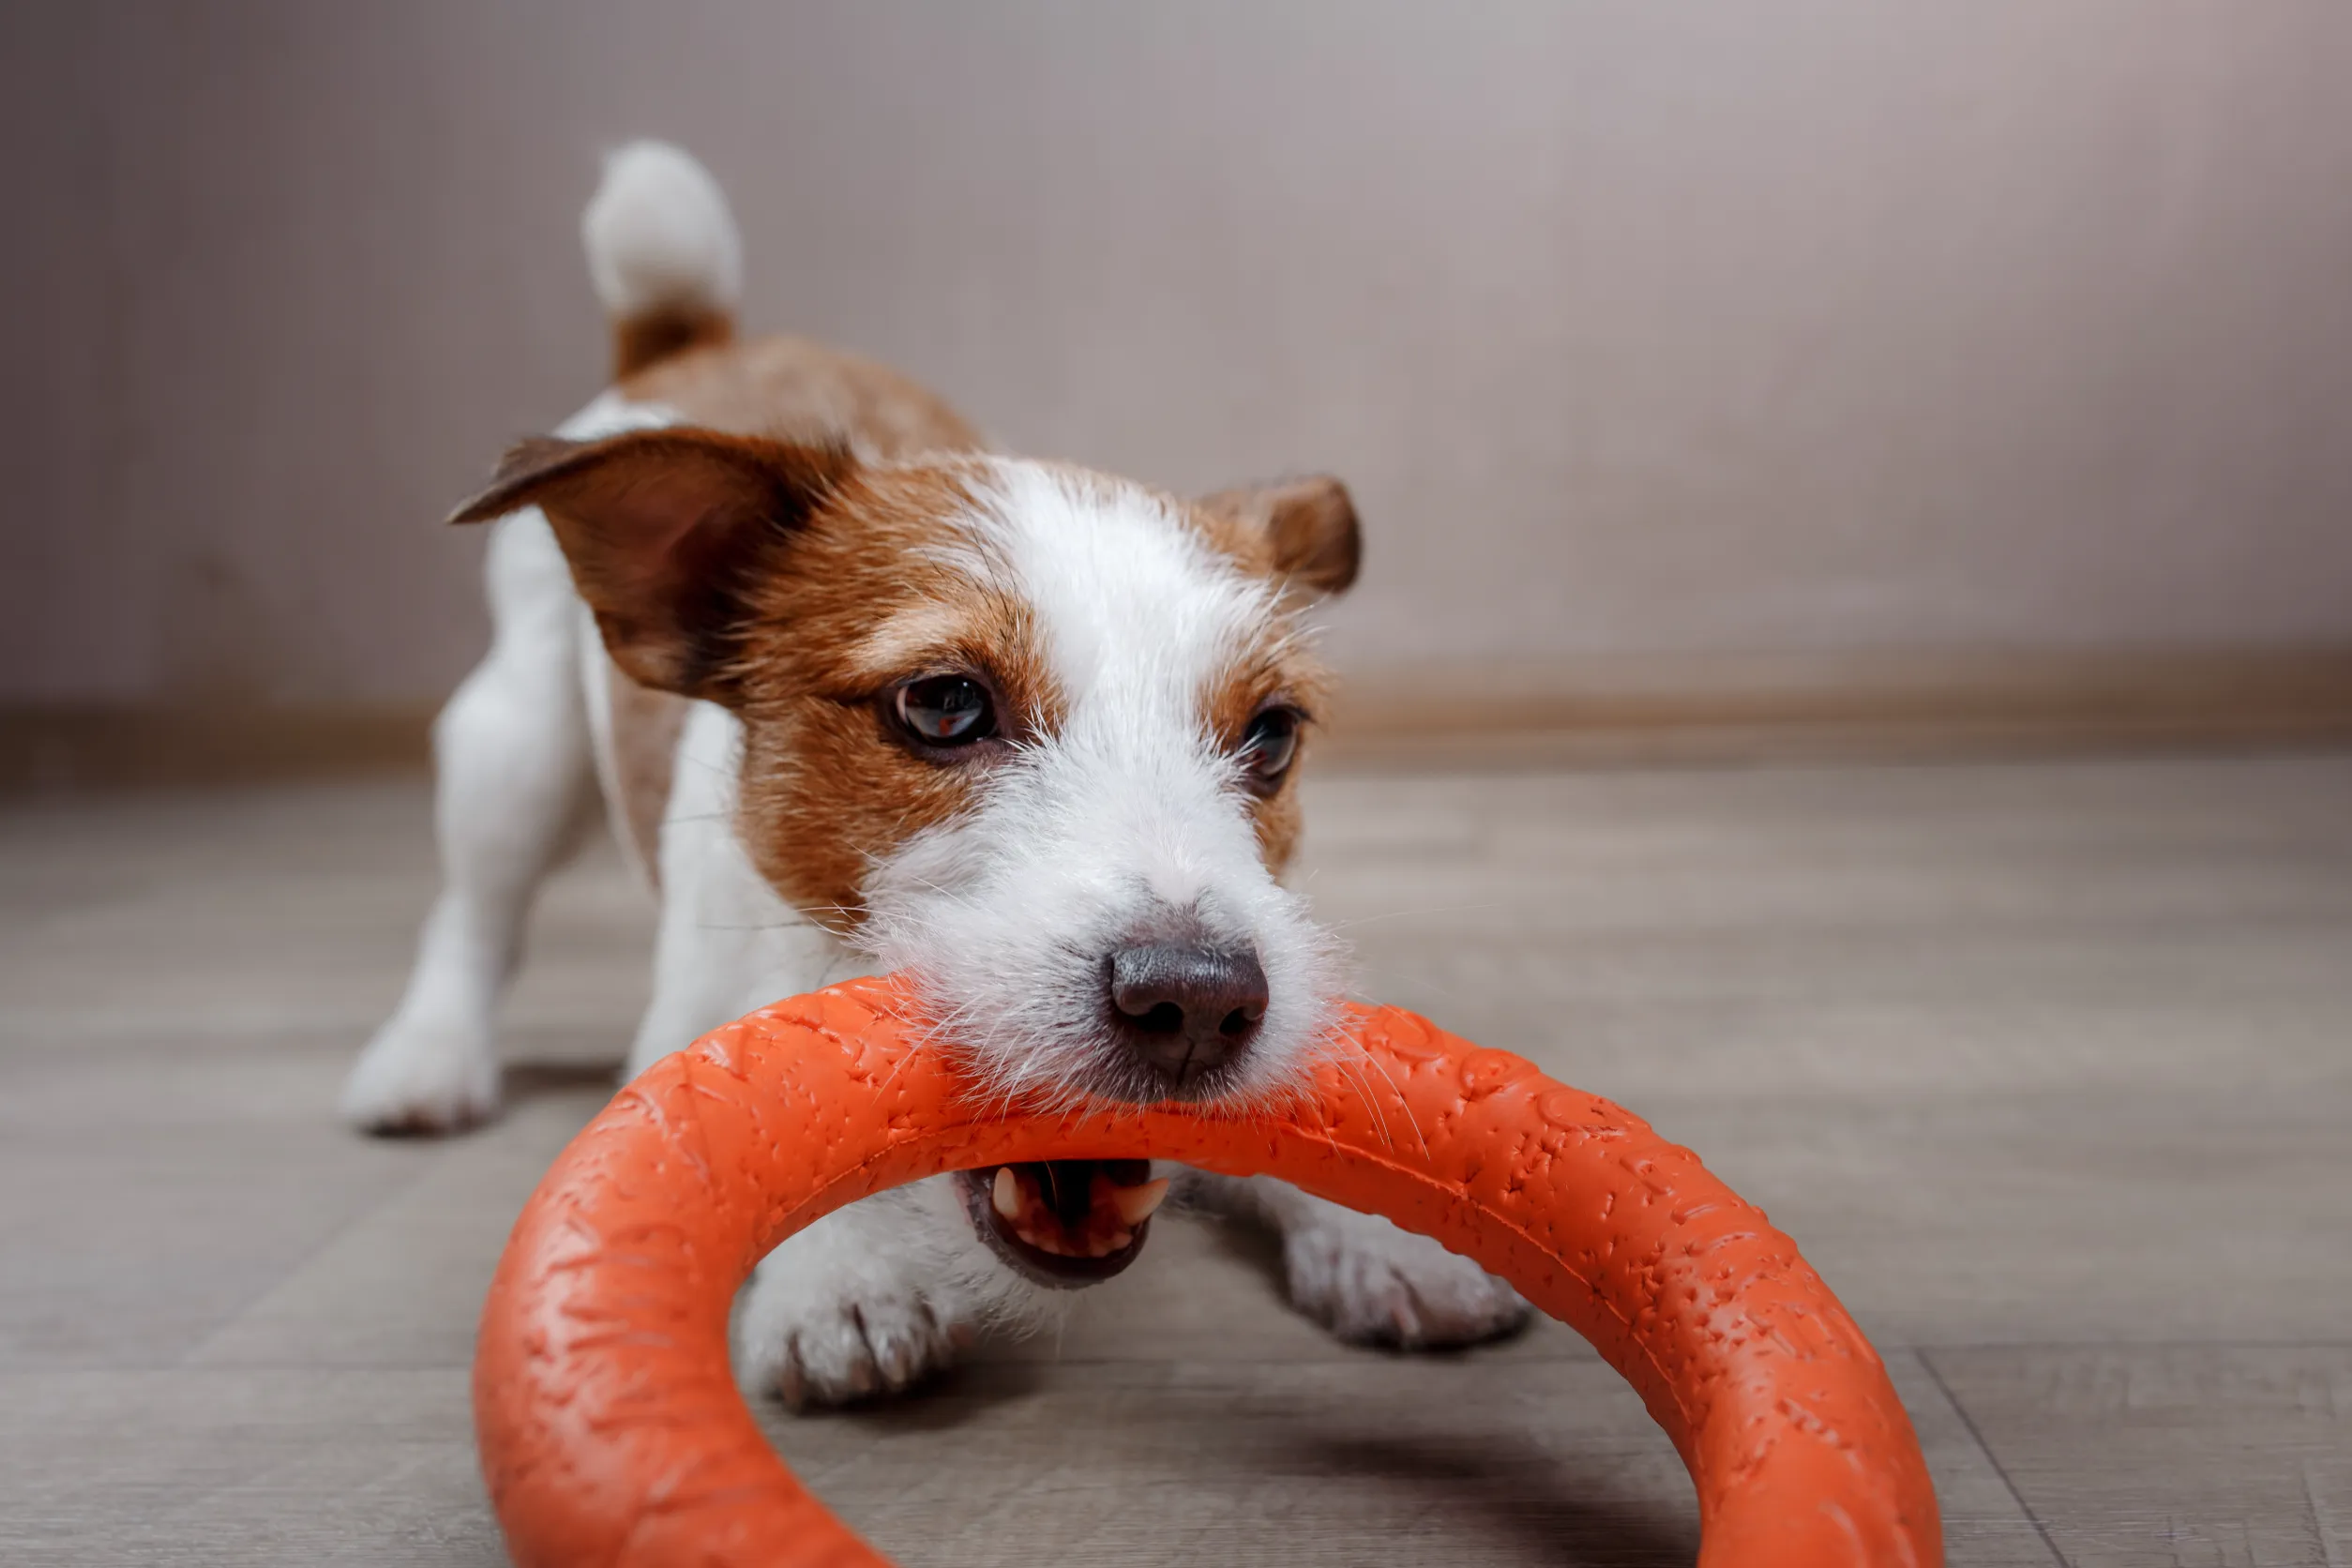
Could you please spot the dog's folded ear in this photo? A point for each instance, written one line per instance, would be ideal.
(1306, 528)
(666, 530)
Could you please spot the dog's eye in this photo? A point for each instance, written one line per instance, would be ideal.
(947, 709)
(1268, 745)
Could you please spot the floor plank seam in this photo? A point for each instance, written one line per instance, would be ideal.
(1977, 1435)
(188, 1360)
(2322, 1526)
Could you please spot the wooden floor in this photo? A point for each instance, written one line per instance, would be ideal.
(2047, 1067)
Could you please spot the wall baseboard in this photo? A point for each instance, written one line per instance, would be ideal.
(1620, 712)
(1859, 706)
(56, 748)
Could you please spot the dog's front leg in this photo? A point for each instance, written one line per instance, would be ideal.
(1363, 1278)
(875, 1297)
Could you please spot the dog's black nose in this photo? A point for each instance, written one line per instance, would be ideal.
(1187, 1011)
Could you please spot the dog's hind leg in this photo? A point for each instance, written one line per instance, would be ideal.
(512, 762)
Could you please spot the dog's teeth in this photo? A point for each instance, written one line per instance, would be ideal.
(1136, 1204)
(1006, 1193)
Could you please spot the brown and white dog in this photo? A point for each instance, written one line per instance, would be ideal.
(863, 695)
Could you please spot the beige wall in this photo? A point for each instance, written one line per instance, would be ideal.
(1640, 329)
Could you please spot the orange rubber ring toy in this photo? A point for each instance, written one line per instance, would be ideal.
(612, 1432)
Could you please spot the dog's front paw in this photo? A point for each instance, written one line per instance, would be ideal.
(820, 1328)
(422, 1079)
(1373, 1284)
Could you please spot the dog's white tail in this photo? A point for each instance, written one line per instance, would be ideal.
(663, 253)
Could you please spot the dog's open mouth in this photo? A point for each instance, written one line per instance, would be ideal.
(1063, 1222)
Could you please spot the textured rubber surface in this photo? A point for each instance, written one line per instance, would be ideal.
(612, 1431)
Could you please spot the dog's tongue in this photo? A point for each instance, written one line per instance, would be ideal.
(1068, 1185)
(1077, 1208)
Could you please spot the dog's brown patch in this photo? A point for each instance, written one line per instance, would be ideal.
(799, 588)
(1277, 671)
(648, 337)
(689, 362)
(799, 391)
(867, 599)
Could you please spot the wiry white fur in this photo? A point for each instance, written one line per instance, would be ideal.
(877, 1295)
(1125, 816)
(1364, 1278)
(1125, 825)
(658, 234)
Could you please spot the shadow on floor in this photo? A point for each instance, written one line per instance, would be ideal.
(531, 1080)
(1499, 1487)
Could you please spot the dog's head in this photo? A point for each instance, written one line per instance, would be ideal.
(1027, 732)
